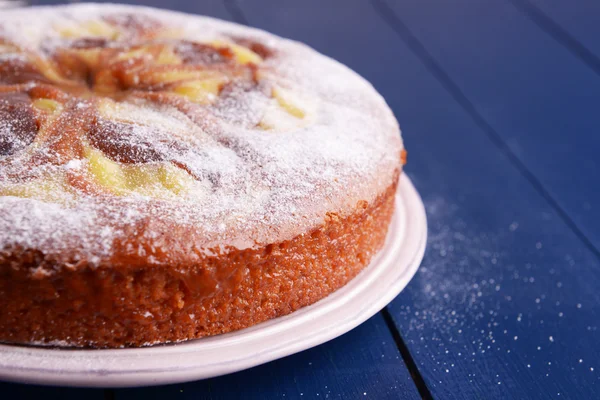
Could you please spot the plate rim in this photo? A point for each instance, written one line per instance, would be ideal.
(407, 234)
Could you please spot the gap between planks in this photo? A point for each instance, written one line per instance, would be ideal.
(236, 12)
(418, 49)
(558, 33)
(406, 356)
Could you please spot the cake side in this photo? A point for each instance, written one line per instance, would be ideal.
(86, 306)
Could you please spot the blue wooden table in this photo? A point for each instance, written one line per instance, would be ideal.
(499, 102)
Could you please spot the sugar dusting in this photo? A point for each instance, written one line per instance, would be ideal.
(475, 316)
(251, 186)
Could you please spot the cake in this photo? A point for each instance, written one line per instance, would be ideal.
(165, 177)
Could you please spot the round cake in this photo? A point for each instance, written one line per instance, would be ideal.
(165, 176)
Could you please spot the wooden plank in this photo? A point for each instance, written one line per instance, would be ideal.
(14, 391)
(363, 363)
(567, 21)
(502, 268)
(505, 306)
(540, 102)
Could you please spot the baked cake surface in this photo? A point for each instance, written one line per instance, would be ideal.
(166, 176)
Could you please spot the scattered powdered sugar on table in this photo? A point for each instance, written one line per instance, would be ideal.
(251, 186)
(473, 312)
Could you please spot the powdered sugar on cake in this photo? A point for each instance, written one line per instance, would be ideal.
(248, 186)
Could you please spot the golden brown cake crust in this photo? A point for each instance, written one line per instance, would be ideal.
(144, 305)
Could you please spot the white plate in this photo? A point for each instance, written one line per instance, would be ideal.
(327, 319)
